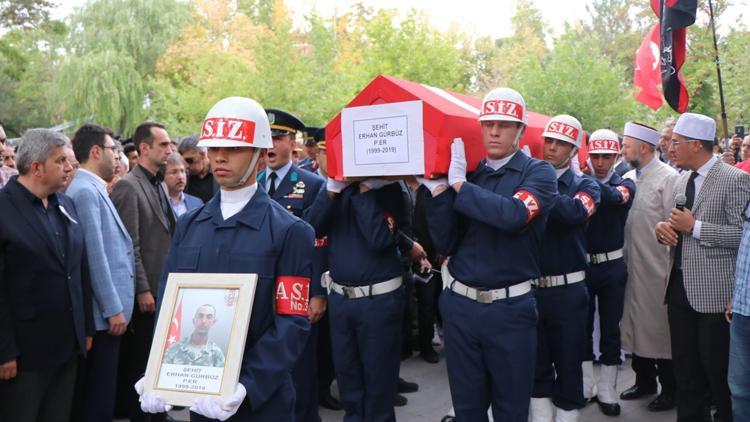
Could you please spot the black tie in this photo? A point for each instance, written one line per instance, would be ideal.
(690, 195)
(272, 187)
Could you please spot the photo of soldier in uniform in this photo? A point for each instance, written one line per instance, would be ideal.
(197, 349)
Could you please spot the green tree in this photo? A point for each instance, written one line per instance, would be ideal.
(24, 13)
(127, 37)
(527, 43)
(617, 28)
(28, 63)
(572, 80)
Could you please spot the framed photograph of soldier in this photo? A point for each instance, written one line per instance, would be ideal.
(200, 336)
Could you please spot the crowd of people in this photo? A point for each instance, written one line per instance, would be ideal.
(512, 262)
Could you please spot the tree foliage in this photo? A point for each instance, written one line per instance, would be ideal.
(120, 61)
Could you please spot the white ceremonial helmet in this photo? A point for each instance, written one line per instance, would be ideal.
(564, 128)
(236, 122)
(604, 141)
(504, 104)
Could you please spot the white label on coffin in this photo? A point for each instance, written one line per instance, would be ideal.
(383, 139)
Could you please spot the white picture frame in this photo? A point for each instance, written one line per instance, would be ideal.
(195, 371)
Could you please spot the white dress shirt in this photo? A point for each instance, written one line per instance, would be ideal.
(280, 175)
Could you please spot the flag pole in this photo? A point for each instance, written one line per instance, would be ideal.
(718, 73)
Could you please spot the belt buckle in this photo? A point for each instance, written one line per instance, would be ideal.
(484, 296)
(544, 281)
(348, 292)
(594, 258)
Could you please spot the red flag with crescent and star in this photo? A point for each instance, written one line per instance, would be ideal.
(647, 74)
(173, 335)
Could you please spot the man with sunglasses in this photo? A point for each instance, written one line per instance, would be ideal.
(200, 179)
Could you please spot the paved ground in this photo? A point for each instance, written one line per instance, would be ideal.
(432, 401)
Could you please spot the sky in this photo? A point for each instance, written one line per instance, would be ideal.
(475, 17)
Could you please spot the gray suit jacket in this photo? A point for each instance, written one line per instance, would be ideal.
(708, 264)
(137, 202)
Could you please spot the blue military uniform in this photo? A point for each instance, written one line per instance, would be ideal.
(607, 273)
(492, 231)
(365, 324)
(296, 192)
(262, 238)
(311, 136)
(561, 296)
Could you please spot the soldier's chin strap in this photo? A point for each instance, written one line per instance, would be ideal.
(253, 165)
(519, 133)
(573, 153)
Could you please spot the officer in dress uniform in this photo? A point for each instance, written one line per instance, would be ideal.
(607, 273)
(365, 291)
(295, 189)
(326, 374)
(491, 224)
(561, 296)
(242, 230)
(310, 163)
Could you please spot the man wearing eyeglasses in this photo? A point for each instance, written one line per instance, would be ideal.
(704, 230)
(111, 262)
(200, 179)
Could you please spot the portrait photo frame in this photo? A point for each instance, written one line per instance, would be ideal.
(200, 335)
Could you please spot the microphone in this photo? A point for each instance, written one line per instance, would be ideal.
(680, 201)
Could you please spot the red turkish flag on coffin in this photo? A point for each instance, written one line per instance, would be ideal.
(445, 115)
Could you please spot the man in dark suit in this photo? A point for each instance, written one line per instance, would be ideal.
(200, 181)
(705, 235)
(45, 298)
(144, 209)
(295, 189)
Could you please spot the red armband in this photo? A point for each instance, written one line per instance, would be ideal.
(587, 201)
(292, 295)
(530, 202)
(322, 242)
(625, 193)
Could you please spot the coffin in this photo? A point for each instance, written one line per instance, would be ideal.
(395, 127)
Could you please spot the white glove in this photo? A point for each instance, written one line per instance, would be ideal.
(211, 408)
(150, 402)
(457, 169)
(433, 184)
(336, 186)
(373, 184)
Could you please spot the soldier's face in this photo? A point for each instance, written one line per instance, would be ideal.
(498, 138)
(281, 153)
(311, 151)
(557, 152)
(230, 164)
(204, 319)
(602, 163)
